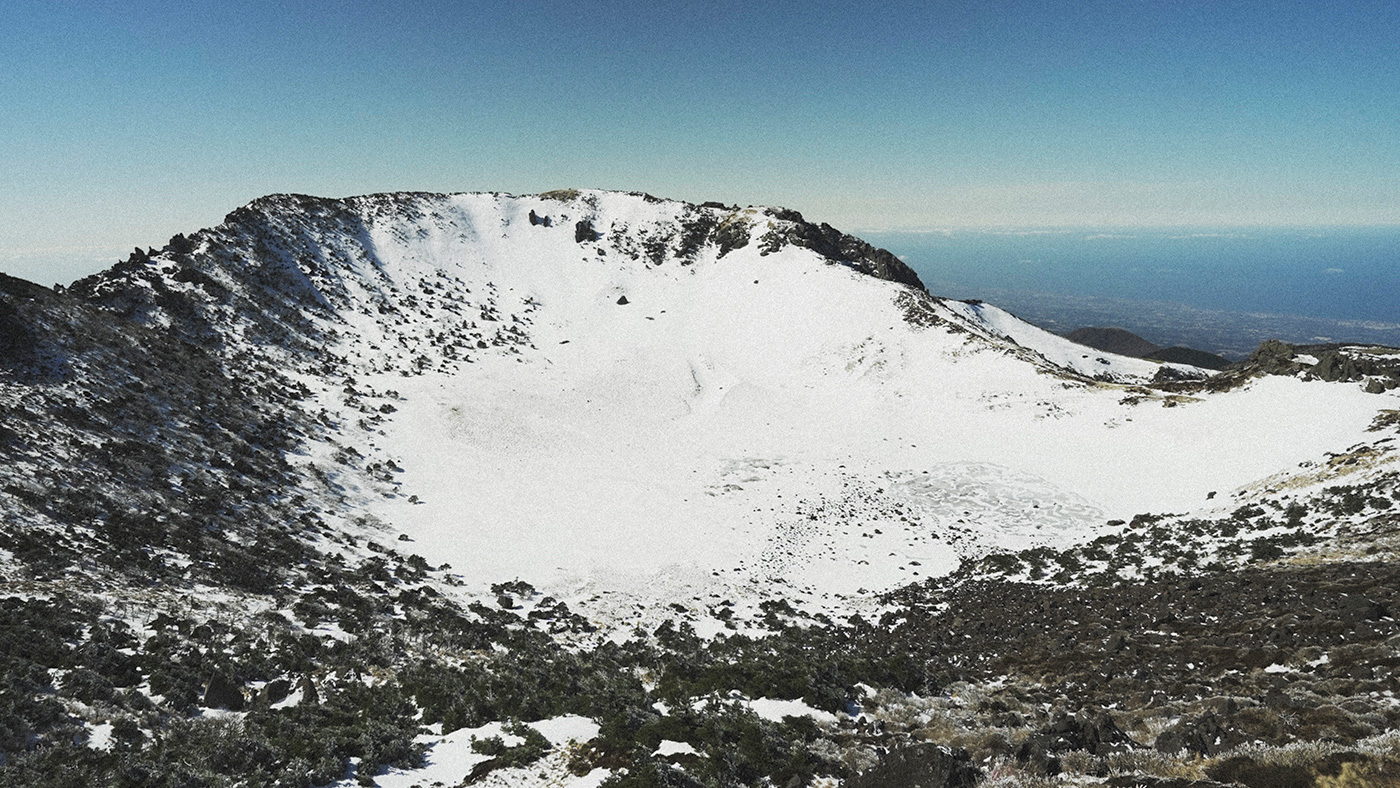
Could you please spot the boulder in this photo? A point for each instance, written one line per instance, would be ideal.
(919, 766)
(1202, 736)
(584, 232)
(1274, 358)
(222, 693)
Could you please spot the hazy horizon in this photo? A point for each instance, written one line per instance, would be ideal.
(122, 124)
(63, 264)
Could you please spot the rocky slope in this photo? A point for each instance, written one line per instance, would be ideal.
(638, 492)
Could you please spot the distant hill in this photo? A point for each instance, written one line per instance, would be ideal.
(1192, 356)
(1114, 340)
(1126, 343)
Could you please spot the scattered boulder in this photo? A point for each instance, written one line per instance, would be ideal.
(835, 245)
(308, 691)
(1093, 731)
(1145, 781)
(274, 691)
(920, 766)
(584, 232)
(1244, 770)
(222, 693)
(1274, 357)
(622, 301)
(1334, 366)
(1203, 735)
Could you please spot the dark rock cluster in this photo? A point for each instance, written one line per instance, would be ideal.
(838, 246)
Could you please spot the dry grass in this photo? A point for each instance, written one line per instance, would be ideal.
(562, 195)
(1385, 420)
(1156, 764)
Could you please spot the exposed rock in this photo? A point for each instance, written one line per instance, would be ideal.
(1243, 770)
(1274, 358)
(17, 342)
(1334, 366)
(919, 766)
(221, 693)
(274, 691)
(731, 234)
(1202, 736)
(584, 232)
(309, 695)
(837, 246)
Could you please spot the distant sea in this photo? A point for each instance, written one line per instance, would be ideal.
(1219, 290)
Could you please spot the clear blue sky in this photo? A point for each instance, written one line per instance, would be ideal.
(126, 121)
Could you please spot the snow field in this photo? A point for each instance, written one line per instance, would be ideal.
(761, 425)
(451, 757)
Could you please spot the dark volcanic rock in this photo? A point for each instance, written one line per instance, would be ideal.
(274, 691)
(1273, 358)
(920, 766)
(1092, 731)
(223, 694)
(584, 232)
(839, 247)
(1242, 770)
(18, 344)
(1334, 366)
(1202, 736)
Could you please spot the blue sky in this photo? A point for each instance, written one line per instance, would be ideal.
(122, 123)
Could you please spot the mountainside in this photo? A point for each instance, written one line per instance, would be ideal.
(341, 482)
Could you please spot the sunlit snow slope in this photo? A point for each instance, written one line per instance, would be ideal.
(609, 394)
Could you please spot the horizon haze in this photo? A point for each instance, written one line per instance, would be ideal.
(126, 123)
